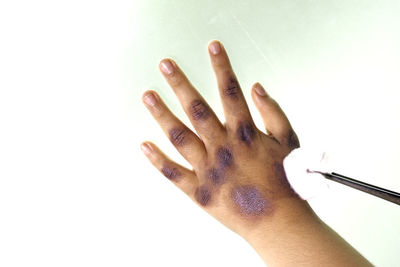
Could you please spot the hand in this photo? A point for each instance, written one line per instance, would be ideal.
(238, 175)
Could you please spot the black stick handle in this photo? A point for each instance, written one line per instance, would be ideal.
(365, 187)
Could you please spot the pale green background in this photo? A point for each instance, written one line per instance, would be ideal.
(75, 189)
(334, 67)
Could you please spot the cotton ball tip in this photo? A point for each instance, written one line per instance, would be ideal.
(302, 167)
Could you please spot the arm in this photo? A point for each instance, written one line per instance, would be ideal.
(297, 237)
(238, 175)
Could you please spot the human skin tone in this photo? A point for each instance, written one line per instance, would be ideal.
(238, 175)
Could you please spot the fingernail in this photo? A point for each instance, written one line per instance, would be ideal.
(215, 48)
(166, 67)
(146, 148)
(260, 90)
(150, 99)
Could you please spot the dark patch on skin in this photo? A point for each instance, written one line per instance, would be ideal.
(170, 172)
(232, 89)
(280, 175)
(293, 140)
(203, 195)
(225, 157)
(199, 110)
(246, 132)
(216, 176)
(249, 200)
(177, 136)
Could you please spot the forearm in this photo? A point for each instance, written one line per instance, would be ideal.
(295, 236)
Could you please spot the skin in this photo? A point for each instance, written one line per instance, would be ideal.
(238, 175)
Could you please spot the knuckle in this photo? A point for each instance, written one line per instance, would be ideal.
(170, 172)
(232, 88)
(246, 132)
(203, 195)
(199, 110)
(178, 136)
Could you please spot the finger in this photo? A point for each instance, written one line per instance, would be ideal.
(182, 177)
(199, 112)
(275, 120)
(185, 141)
(233, 101)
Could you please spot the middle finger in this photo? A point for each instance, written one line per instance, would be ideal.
(234, 104)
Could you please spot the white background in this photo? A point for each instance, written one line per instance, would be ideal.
(75, 189)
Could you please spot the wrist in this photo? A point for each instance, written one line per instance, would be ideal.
(295, 236)
(289, 215)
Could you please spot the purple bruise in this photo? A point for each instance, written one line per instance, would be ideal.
(293, 140)
(249, 200)
(199, 110)
(177, 136)
(203, 195)
(246, 132)
(225, 157)
(170, 172)
(232, 89)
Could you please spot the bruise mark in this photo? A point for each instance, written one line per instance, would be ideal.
(170, 172)
(225, 157)
(249, 200)
(216, 176)
(199, 110)
(246, 132)
(177, 136)
(232, 89)
(203, 195)
(280, 175)
(293, 140)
